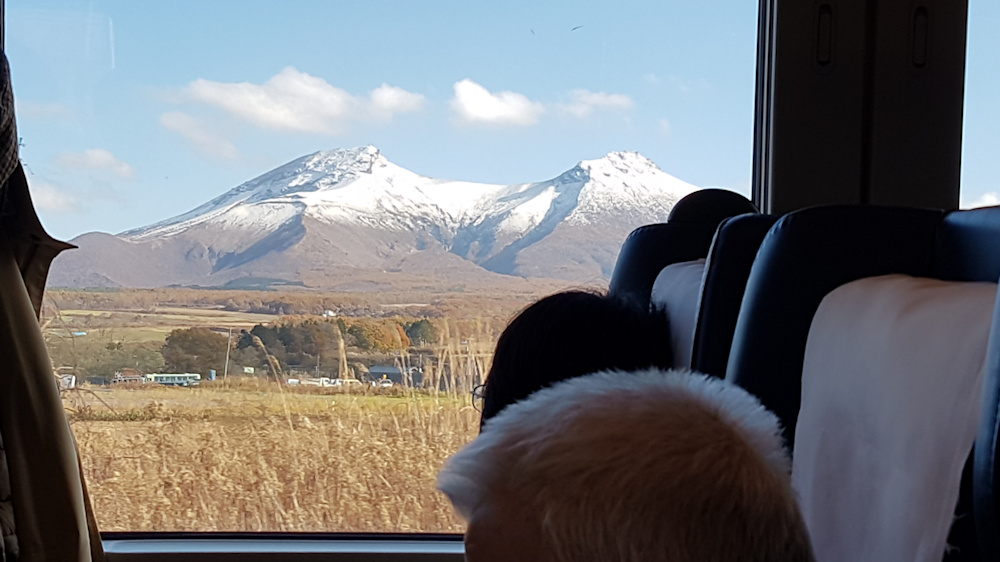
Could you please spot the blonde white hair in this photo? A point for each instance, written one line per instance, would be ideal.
(646, 466)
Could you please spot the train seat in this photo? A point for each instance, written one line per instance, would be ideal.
(727, 269)
(665, 264)
(804, 256)
(686, 236)
(808, 254)
(702, 297)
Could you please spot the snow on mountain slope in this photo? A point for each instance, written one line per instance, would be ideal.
(342, 210)
(361, 186)
(356, 185)
(624, 182)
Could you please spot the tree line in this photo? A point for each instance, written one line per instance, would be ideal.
(304, 344)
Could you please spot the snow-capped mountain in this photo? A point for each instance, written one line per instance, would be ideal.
(331, 215)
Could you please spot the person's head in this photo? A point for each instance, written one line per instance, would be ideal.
(571, 334)
(654, 466)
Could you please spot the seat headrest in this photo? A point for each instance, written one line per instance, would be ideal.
(710, 206)
(685, 236)
(649, 249)
(968, 245)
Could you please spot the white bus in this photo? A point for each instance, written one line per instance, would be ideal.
(174, 379)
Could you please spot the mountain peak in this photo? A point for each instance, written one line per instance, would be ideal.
(359, 159)
(320, 170)
(314, 172)
(351, 209)
(618, 163)
(360, 186)
(624, 182)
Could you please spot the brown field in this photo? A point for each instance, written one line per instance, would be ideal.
(149, 315)
(248, 454)
(459, 303)
(253, 456)
(153, 324)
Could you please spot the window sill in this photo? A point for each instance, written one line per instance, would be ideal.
(270, 547)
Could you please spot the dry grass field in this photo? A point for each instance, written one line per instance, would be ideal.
(251, 456)
(150, 306)
(151, 325)
(248, 454)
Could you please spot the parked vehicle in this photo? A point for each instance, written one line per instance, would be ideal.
(346, 383)
(174, 379)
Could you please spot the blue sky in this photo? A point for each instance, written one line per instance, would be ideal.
(132, 112)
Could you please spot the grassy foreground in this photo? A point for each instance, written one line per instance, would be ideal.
(252, 456)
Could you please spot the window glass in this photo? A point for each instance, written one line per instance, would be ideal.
(980, 141)
(302, 226)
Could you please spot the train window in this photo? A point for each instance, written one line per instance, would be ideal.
(980, 140)
(301, 226)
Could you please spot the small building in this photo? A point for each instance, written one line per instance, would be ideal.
(127, 375)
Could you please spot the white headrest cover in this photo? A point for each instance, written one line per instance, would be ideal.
(890, 402)
(677, 289)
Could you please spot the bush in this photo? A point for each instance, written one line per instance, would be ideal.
(195, 350)
(421, 332)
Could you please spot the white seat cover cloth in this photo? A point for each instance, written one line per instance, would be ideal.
(677, 289)
(890, 402)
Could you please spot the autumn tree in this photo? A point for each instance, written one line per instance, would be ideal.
(97, 359)
(195, 350)
(421, 332)
(369, 334)
(294, 344)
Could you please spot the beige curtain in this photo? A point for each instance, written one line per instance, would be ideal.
(52, 517)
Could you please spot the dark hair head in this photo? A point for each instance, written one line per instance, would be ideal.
(571, 334)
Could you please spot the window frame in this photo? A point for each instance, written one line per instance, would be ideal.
(869, 125)
(272, 547)
(777, 186)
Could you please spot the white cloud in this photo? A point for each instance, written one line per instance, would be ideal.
(388, 100)
(988, 199)
(475, 104)
(584, 102)
(197, 134)
(95, 159)
(51, 198)
(293, 100)
(665, 126)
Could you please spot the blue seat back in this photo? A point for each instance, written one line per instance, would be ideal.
(809, 253)
(687, 235)
(727, 268)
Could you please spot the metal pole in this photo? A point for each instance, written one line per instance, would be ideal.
(229, 345)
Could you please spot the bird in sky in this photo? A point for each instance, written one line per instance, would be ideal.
(577, 27)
